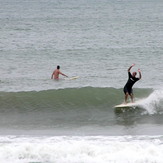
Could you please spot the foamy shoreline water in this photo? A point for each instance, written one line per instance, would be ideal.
(77, 149)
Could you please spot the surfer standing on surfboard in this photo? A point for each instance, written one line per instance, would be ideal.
(56, 72)
(132, 79)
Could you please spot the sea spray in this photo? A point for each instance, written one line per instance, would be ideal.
(154, 102)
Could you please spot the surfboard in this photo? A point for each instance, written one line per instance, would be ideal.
(125, 105)
(72, 78)
(75, 77)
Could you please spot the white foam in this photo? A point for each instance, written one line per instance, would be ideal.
(88, 149)
(152, 104)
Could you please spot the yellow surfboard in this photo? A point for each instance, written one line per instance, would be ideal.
(125, 105)
(72, 78)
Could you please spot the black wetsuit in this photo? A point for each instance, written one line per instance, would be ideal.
(131, 81)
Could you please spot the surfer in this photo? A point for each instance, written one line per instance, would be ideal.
(132, 79)
(56, 72)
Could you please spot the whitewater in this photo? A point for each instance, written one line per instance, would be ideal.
(86, 149)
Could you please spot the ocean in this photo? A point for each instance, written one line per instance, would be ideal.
(74, 121)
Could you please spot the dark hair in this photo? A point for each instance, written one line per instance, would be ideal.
(58, 67)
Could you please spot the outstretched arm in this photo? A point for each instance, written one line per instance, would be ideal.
(130, 67)
(139, 74)
(63, 74)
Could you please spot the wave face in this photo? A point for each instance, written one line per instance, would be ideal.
(66, 99)
(76, 110)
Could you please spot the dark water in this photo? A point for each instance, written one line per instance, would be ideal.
(78, 111)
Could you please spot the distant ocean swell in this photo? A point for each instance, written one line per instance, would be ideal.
(77, 99)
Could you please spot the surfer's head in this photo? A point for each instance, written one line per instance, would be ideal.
(134, 74)
(58, 67)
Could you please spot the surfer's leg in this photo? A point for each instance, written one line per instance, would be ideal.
(126, 94)
(126, 97)
(132, 96)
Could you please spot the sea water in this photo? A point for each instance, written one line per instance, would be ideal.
(74, 121)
